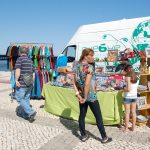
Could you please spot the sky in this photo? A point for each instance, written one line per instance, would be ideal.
(55, 21)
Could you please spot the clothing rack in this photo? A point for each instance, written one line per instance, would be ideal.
(42, 64)
(31, 44)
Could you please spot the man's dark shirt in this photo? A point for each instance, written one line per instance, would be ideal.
(25, 65)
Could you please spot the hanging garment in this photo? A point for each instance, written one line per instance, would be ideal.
(47, 54)
(47, 51)
(51, 75)
(39, 58)
(48, 63)
(35, 54)
(36, 91)
(8, 51)
(42, 62)
(42, 51)
(44, 77)
(38, 87)
(42, 58)
(61, 62)
(30, 52)
(8, 57)
(52, 64)
(41, 80)
(14, 55)
(19, 50)
(12, 79)
(48, 75)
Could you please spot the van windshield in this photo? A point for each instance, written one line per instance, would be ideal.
(70, 52)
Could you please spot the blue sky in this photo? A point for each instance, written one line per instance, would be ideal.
(55, 21)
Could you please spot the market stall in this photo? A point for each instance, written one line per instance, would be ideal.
(60, 96)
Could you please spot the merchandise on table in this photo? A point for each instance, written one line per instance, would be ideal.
(110, 69)
(142, 88)
(99, 70)
(148, 85)
(64, 80)
(64, 70)
(112, 55)
(122, 56)
(141, 102)
(109, 83)
(141, 118)
(102, 83)
(117, 81)
(65, 74)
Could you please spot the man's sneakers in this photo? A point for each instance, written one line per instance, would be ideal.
(31, 118)
(84, 137)
(106, 140)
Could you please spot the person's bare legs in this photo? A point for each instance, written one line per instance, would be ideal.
(133, 112)
(127, 116)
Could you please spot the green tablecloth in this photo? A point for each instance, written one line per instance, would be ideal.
(63, 102)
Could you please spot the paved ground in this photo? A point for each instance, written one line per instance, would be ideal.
(50, 132)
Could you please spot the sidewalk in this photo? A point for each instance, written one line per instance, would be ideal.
(50, 132)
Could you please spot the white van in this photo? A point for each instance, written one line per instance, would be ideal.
(114, 35)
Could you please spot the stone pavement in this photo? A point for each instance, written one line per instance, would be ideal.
(49, 132)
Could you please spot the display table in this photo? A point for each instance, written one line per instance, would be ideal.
(63, 102)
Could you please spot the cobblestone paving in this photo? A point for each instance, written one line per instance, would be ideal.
(16, 135)
(50, 132)
(93, 144)
(7, 104)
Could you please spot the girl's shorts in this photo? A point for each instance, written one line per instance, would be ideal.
(129, 100)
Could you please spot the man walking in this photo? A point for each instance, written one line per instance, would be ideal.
(23, 66)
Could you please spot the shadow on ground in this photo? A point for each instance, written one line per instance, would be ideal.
(72, 125)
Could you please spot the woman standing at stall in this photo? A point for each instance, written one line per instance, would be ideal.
(85, 86)
(130, 96)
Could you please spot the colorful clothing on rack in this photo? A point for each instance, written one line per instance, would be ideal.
(36, 91)
(35, 55)
(41, 57)
(41, 78)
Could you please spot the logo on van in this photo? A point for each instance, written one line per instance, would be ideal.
(140, 39)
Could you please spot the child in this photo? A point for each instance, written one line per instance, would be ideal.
(130, 96)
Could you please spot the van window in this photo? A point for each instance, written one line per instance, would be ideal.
(71, 53)
(65, 51)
